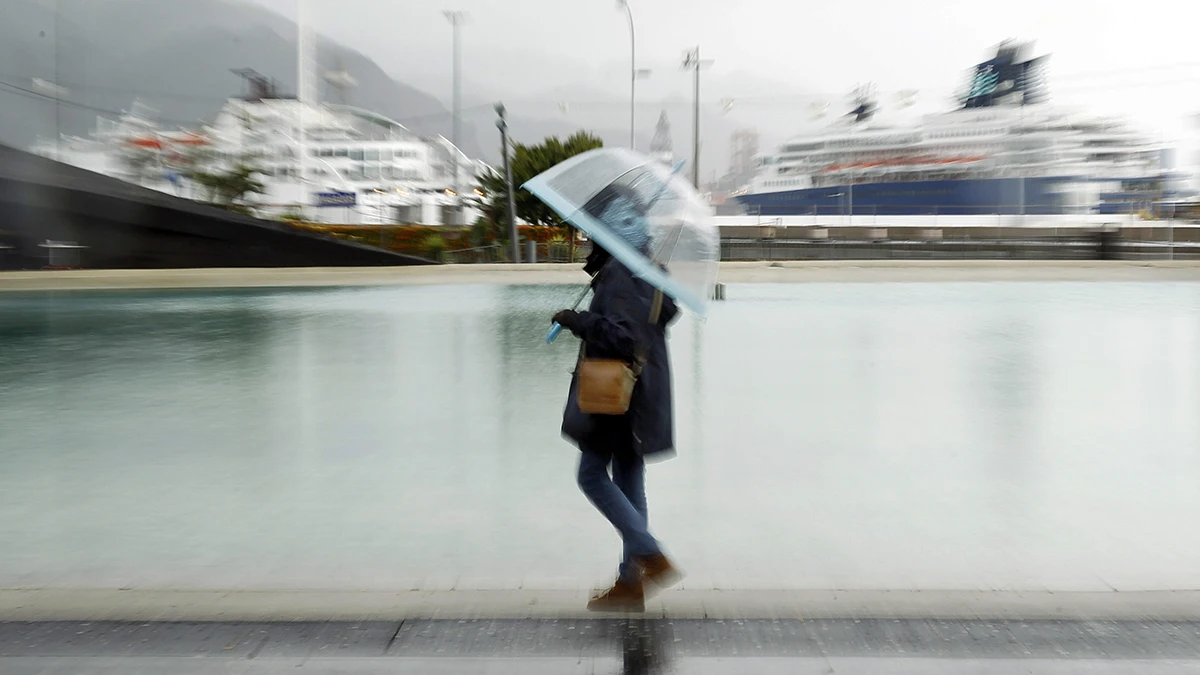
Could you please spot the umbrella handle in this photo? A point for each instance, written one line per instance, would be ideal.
(555, 329)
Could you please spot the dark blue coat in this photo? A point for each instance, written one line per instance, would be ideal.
(616, 326)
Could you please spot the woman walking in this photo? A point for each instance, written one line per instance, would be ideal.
(626, 322)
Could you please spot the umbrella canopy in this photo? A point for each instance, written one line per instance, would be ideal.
(643, 213)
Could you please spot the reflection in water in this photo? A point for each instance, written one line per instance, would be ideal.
(967, 435)
(645, 646)
(1004, 364)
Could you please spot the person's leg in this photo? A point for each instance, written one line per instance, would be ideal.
(612, 503)
(629, 475)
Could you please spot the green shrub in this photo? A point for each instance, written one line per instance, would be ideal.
(433, 246)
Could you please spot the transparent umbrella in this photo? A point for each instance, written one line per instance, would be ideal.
(598, 190)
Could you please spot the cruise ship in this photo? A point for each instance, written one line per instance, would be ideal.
(349, 166)
(1005, 150)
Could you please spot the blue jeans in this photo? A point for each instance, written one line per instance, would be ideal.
(621, 498)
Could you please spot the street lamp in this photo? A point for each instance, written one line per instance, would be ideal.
(502, 125)
(692, 61)
(633, 73)
(306, 92)
(456, 18)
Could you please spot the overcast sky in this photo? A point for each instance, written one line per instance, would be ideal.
(526, 48)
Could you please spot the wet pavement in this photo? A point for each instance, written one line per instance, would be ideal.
(559, 666)
(619, 645)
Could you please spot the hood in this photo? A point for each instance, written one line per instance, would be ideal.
(619, 208)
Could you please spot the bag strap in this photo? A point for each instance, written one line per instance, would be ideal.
(640, 359)
(656, 307)
(655, 313)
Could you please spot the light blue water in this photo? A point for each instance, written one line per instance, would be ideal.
(1029, 435)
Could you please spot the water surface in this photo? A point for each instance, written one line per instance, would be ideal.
(1005, 435)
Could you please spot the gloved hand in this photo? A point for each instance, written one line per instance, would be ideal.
(569, 319)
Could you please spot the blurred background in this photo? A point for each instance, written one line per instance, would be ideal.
(163, 93)
(559, 68)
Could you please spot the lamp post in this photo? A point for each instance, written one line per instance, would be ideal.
(633, 72)
(457, 18)
(502, 125)
(692, 61)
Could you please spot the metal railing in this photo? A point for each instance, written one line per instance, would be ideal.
(1080, 245)
(1149, 206)
(552, 252)
(1073, 244)
(494, 253)
(557, 252)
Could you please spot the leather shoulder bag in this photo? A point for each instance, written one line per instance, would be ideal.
(605, 386)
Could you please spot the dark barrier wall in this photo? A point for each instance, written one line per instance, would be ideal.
(127, 226)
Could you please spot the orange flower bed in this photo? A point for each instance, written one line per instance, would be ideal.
(408, 239)
(416, 239)
(542, 235)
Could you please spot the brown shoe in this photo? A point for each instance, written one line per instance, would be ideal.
(622, 597)
(659, 571)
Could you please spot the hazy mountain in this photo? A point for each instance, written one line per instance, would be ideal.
(174, 56)
(34, 46)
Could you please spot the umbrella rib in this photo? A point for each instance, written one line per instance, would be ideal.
(616, 178)
(662, 247)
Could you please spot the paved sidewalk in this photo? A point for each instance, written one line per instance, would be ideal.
(604, 646)
(50, 604)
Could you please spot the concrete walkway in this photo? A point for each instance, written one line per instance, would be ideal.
(335, 665)
(251, 605)
(604, 646)
(741, 272)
